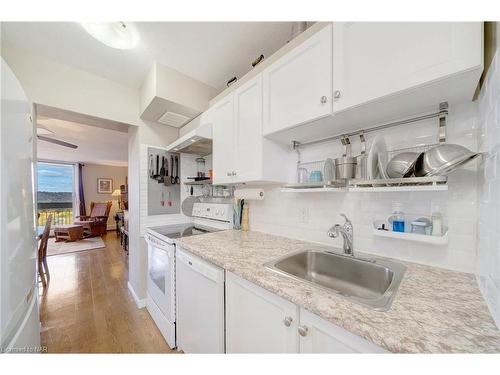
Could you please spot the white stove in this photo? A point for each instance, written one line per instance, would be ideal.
(207, 217)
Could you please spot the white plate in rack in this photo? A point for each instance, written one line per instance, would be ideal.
(377, 159)
(328, 170)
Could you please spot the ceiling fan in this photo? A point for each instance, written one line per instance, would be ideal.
(42, 133)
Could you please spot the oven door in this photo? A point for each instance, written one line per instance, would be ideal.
(161, 275)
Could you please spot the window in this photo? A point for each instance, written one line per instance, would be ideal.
(55, 192)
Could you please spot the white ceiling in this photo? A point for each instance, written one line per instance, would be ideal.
(211, 52)
(96, 145)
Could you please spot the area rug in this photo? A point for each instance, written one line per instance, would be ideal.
(57, 248)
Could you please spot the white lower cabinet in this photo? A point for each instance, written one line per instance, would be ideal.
(320, 336)
(258, 321)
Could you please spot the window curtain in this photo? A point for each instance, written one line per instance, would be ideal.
(81, 196)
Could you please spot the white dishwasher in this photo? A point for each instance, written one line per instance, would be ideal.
(200, 304)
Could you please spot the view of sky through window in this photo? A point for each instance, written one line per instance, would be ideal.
(55, 177)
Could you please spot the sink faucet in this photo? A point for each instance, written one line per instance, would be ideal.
(346, 231)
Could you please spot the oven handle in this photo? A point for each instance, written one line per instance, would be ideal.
(167, 248)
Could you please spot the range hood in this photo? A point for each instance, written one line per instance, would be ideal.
(197, 141)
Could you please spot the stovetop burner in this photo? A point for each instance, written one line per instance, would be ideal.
(182, 230)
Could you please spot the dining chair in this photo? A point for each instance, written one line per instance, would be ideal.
(43, 268)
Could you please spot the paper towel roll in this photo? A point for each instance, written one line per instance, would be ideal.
(249, 194)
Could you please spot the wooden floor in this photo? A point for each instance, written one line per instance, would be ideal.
(87, 307)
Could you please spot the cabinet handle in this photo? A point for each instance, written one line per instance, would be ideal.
(287, 321)
(302, 330)
(336, 94)
(324, 99)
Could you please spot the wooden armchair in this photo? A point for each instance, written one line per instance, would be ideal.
(96, 223)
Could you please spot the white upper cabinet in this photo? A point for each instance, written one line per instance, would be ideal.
(240, 153)
(382, 72)
(375, 59)
(298, 87)
(248, 129)
(223, 133)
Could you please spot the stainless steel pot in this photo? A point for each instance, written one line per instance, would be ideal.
(345, 167)
(443, 159)
(402, 165)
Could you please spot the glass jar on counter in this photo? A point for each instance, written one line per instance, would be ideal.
(200, 166)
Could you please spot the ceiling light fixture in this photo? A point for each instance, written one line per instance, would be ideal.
(113, 34)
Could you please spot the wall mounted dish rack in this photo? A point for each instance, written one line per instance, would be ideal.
(435, 183)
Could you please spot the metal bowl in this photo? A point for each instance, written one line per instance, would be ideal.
(443, 159)
(402, 165)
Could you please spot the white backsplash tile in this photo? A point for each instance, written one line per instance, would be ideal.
(308, 216)
(488, 192)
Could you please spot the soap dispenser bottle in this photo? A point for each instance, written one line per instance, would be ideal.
(397, 218)
(437, 221)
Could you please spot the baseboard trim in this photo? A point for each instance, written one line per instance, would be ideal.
(141, 303)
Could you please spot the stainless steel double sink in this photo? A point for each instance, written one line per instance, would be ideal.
(371, 282)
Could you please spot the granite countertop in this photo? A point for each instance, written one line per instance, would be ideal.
(435, 310)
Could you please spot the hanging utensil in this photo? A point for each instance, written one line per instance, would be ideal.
(177, 178)
(162, 170)
(157, 174)
(172, 177)
(169, 200)
(166, 180)
(151, 166)
(162, 199)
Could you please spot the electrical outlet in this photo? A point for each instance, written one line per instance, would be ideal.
(304, 215)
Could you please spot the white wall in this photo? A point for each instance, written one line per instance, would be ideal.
(91, 172)
(156, 135)
(308, 216)
(57, 85)
(488, 260)
(52, 84)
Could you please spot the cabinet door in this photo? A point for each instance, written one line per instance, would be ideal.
(298, 87)
(320, 336)
(223, 140)
(375, 59)
(248, 121)
(258, 321)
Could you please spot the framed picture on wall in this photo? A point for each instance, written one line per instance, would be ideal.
(105, 185)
